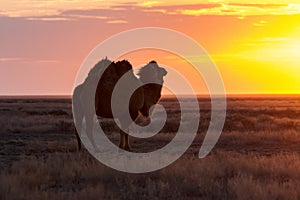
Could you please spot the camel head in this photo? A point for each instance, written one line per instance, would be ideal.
(152, 92)
(152, 72)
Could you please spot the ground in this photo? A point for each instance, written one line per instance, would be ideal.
(256, 157)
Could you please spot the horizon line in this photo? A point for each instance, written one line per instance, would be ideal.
(163, 95)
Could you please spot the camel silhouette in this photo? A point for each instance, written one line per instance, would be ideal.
(140, 102)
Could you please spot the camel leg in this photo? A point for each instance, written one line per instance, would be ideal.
(78, 122)
(124, 143)
(78, 139)
(133, 115)
(89, 130)
(78, 116)
(127, 146)
(122, 139)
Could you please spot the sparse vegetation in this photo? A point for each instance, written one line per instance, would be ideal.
(257, 156)
(222, 175)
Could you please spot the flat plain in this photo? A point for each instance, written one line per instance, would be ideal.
(256, 157)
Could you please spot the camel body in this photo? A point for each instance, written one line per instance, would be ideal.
(101, 90)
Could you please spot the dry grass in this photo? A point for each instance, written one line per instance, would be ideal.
(257, 156)
(219, 176)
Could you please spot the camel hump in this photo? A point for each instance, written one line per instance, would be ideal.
(115, 71)
(153, 62)
(99, 68)
(108, 70)
(122, 67)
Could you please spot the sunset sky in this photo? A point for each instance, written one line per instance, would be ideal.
(255, 45)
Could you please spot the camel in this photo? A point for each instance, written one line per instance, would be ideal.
(140, 102)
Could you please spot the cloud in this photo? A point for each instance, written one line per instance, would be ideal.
(26, 60)
(244, 10)
(111, 16)
(148, 3)
(164, 11)
(82, 16)
(9, 59)
(260, 23)
(48, 18)
(117, 22)
(74, 10)
(267, 41)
